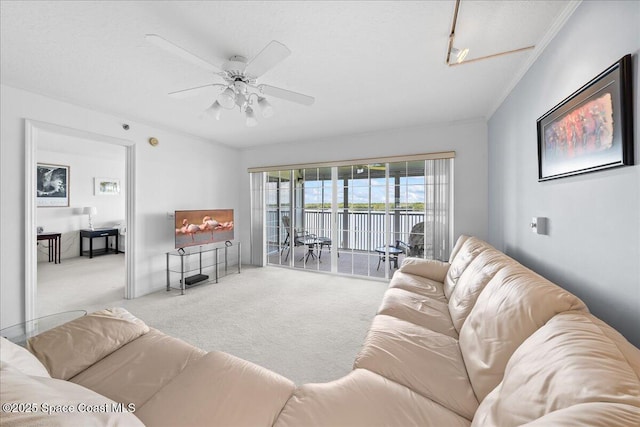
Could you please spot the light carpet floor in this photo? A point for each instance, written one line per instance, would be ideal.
(80, 283)
(303, 325)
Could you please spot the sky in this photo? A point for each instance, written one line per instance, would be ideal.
(411, 191)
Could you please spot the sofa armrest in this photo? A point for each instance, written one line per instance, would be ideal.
(72, 347)
(430, 268)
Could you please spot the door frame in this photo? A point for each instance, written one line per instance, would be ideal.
(33, 128)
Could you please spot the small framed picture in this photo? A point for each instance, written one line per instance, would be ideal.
(106, 186)
(52, 184)
(590, 130)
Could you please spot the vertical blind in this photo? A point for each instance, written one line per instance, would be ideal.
(257, 230)
(439, 201)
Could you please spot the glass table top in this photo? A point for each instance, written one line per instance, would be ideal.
(21, 332)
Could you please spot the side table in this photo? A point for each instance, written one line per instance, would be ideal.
(393, 255)
(54, 245)
(98, 232)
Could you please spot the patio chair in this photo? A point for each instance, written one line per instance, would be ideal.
(299, 239)
(416, 240)
(415, 246)
(287, 225)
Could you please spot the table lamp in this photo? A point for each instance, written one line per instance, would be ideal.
(90, 210)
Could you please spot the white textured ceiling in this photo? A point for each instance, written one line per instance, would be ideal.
(370, 65)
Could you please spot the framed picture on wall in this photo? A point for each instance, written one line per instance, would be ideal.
(590, 130)
(106, 186)
(52, 183)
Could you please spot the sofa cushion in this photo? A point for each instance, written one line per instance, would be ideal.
(472, 281)
(21, 359)
(45, 401)
(363, 398)
(469, 250)
(222, 390)
(418, 285)
(592, 414)
(572, 360)
(146, 364)
(430, 268)
(513, 305)
(423, 311)
(456, 248)
(74, 346)
(425, 361)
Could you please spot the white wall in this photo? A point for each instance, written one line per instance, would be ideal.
(182, 172)
(593, 245)
(86, 160)
(468, 140)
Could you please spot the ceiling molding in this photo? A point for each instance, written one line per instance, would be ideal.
(537, 51)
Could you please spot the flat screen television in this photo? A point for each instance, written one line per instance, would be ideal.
(201, 227)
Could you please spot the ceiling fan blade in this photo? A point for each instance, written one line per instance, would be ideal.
(286, 95)
(180, 52)
(185, 93)
(268, 57)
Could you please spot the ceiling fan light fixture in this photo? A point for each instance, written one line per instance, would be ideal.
(251, 117)
(240, 85)
(227, 98)
(214, 110)
(266, 108)
(460, 54)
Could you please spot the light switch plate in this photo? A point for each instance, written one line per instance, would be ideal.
(538, 225)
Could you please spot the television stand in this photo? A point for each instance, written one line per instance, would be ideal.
(192, 264)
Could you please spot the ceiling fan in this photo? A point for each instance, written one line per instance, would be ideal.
(239, 75)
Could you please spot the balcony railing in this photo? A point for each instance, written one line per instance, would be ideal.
(360, 231)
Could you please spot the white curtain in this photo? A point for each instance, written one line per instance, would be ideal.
(438, 215)
(257, 230)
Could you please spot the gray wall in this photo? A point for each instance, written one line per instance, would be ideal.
(593, 245)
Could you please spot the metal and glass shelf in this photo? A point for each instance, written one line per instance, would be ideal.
(195, 266)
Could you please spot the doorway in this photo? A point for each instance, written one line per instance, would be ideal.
(92, 180)
(35, 131)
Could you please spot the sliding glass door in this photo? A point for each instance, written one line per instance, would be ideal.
(362, 218)
(298, 211)
(313, 209)
(277, 214)
(359, 219)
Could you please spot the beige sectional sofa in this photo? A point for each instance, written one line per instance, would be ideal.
(480, 340)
